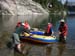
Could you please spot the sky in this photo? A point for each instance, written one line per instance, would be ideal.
(63, 1)
(71, 0)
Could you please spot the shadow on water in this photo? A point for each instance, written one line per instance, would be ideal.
(55, 49)
(48, 50)
(9, 45)
(61, 49)
(4, 38)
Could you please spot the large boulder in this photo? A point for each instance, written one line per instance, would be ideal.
(21, 7)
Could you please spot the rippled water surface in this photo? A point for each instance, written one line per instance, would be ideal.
(7, 26)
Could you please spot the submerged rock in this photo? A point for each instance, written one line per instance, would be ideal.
(21, 7)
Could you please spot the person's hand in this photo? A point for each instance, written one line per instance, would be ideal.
(52, 32)
(65, 37)
(59, 32)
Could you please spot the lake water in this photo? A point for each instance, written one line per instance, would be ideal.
(7, 26)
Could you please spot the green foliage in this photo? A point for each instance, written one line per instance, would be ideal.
(56, 5)
(42, 2)
(56, 10)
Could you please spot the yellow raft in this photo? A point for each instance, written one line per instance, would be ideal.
(38, 38)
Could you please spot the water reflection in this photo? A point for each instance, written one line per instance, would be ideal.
(55, 49)
(8, 23)
(61, 49)
(7, 26)
(49, 50)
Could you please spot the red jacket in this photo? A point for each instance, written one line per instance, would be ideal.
(26, 26)
(63, 29)
(18, 24)
(48, 28)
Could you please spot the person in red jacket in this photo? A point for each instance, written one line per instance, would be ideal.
(18, 24)
(48, 31)
(26, 26)
(62, 31)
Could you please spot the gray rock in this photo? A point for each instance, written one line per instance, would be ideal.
(21, 7)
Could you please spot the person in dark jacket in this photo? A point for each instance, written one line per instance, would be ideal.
(16, 36)
(62, 31)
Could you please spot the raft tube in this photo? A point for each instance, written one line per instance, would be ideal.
(37, 32)
(40, 39)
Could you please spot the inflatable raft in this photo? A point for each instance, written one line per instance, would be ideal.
(38, 38)
(37, 32)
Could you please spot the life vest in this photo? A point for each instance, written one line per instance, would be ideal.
(49, 28)
(26, 26)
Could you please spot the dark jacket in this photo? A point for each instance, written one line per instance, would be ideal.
(63, 29)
